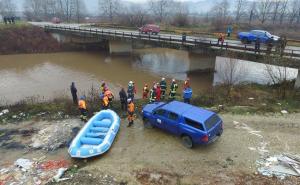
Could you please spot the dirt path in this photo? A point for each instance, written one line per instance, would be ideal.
(150, 156)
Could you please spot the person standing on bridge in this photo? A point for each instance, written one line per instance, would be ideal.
(257, 46)
(163, 88)
(173, 90)
(229, 31)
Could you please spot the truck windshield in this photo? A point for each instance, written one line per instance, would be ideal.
(214, 119)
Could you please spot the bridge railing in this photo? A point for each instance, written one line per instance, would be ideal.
(173, 39)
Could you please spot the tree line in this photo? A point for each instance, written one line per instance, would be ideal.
(276, 12)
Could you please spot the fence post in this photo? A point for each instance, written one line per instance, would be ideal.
(292, 54)
(170, 38)
(245, 48)
(226, 45)
(131, 35)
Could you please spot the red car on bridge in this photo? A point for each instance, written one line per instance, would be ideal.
(150, 28)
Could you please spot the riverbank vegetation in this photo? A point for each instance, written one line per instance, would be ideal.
(22, 38)
(242, 99)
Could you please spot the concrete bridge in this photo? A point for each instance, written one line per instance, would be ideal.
(123, 41)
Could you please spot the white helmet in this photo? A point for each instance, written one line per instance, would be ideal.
(129, 100)
(173, 80)
(130, 82)
(163, 79)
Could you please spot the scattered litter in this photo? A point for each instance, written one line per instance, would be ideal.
(51, 165)
(284, 112)
(278, 103)
(60, 173)
(3, 112)
(250, 98)
(25, 171)
(14, 116)
(24, 164)
(280, 166)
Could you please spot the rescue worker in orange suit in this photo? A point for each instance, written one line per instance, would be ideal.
(130, 110)
(145, 91)
(105, 102)
(158, 92)
(109, 95)
(186, 84)
(82, 108)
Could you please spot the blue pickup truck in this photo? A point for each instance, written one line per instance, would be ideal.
(193, 124)
(263, 36)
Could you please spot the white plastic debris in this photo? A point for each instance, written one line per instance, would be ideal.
(60, 173)
(24, 164)
(250, 98)
(284, 112)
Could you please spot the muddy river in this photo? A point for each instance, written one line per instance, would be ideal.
(47, 76)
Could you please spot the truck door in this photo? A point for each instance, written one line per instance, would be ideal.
(159, 118)
(171, 123)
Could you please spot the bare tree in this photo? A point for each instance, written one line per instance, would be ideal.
(264, 10)
(293, 11)
(276, 5)
(279, 77)
(135, 15)
(240, 8)
(252, 11)
(180, 14)
(7, 8)
(283, 10)
(109, 8)
(160, 8)
(221, 13)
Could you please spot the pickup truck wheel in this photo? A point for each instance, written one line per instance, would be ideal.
(147, 123)
(187, 141)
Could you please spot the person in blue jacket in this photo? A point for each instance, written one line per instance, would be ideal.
(187, 95)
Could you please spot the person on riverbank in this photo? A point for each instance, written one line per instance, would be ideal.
(109, 95)
(173, 89)
(158, 92)
(82, 108)
(74, 93)
(130, 110)
(186, 83)
(105, 102)
(229, 31)
(5, 20)
(187, 95)
(130, 90)
(257, 46)
(123, 99)
(145, 91)
(102, 87)
(152, 97)
(163, 88)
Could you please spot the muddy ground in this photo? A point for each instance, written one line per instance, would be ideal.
(151, 156)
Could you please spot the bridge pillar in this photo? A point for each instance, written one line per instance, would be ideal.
(120, 47)
(297, 83)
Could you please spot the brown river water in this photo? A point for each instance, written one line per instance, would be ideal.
(47, 76)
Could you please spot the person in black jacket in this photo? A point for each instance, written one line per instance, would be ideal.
(123, 99)
(74, 93)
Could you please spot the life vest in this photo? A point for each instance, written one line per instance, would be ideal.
(105, 101)
(130, 90)
(81, 104)
(131, 107)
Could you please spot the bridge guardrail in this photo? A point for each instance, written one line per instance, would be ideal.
(193, 42)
